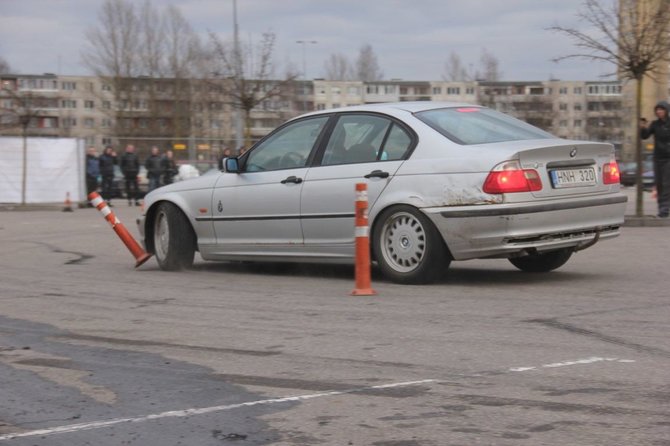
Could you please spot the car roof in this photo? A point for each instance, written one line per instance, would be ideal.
(409, 106)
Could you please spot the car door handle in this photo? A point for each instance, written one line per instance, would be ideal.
(377, 174)
(292, 179)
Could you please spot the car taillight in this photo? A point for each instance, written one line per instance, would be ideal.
(509, 177)
(611, 173)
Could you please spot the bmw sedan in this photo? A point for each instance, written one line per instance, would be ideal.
(445, 182)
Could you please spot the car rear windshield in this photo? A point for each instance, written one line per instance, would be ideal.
(476, 125)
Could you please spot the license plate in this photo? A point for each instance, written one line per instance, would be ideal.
(573, 177)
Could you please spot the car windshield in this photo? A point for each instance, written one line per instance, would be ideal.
(475, 125)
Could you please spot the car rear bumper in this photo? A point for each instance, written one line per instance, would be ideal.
(505, 230)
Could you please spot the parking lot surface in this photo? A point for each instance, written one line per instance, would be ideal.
(95, 352)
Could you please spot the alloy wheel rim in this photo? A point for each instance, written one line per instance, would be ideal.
(403, 239)
(161, 236)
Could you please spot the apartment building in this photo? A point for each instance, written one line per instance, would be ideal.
(196, 115)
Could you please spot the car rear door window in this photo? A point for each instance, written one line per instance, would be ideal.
(361, 138)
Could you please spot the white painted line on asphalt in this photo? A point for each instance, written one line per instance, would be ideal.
(590, 360)
(200, 411)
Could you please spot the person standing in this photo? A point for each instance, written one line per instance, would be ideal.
(660, 128)
(130, 166)
(154, 169)
(92, 170)
(107, 161)
(169, 167)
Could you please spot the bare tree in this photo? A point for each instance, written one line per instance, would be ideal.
(147, 56)
(4, 66)
(367, 67)
(182, 50)
(454, 70)
(114, 53)
(490, 67)
(338, 68)
(632, 36)
(153, 46)
(246, 75)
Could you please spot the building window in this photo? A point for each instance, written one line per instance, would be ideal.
(577, 90)
(106, 105)
(50, 123)
(106, 87)
(336, 105)
(437, 90)
(106, 123)
(374, 89)
(389, 89)
(563, 123)
(578, 123)
(69, 122)
(215, 123)
(89, 123)
(563, 107)
(89, 104)
(563, 90)
(89, 141)
(578, 106)
(320, 106)
(69, 85)
(453, 90)
(354, 90)
(106, 141)
(69, 103)
(470, 90)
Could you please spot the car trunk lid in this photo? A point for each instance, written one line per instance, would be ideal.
(568, 168)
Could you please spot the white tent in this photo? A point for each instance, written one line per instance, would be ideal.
(54, 167)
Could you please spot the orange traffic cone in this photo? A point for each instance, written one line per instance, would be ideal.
(363, 285)
(135, 249)
(67, 207)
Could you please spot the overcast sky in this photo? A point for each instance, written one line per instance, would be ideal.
(412, 38)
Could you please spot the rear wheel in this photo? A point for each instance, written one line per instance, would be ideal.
(174, 239)
(542, 263)
(408, 247)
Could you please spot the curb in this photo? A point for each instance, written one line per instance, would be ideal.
(648, 221)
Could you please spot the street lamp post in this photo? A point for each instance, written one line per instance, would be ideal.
(304, 71)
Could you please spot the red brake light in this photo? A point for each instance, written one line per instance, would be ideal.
(509, 177)
(611, 173)
(467, 110)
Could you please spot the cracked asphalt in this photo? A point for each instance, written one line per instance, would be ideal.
(95, 352)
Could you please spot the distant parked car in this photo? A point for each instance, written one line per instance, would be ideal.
(629, 173)
(119, 183)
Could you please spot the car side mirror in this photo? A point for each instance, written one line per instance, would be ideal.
(231, 165)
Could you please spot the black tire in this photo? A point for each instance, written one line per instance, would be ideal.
(407, 246)
(542, 263)
(174, 239)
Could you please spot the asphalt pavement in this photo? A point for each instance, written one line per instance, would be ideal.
(93, 351)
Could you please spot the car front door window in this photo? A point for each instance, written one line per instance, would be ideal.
(288, 148)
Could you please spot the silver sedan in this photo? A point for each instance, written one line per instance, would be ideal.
(445, 182)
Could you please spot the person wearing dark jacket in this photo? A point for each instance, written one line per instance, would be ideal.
(660, 128)
(130, 166)
(92, 170)
(168, 167)
(107, 161)
(154, 169)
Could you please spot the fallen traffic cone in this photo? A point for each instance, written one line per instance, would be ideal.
(363, 285)
(140, 254)
(68, 204)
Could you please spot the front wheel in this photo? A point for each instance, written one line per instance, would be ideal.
(174, 239)
(408, 247)
(542, 263)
